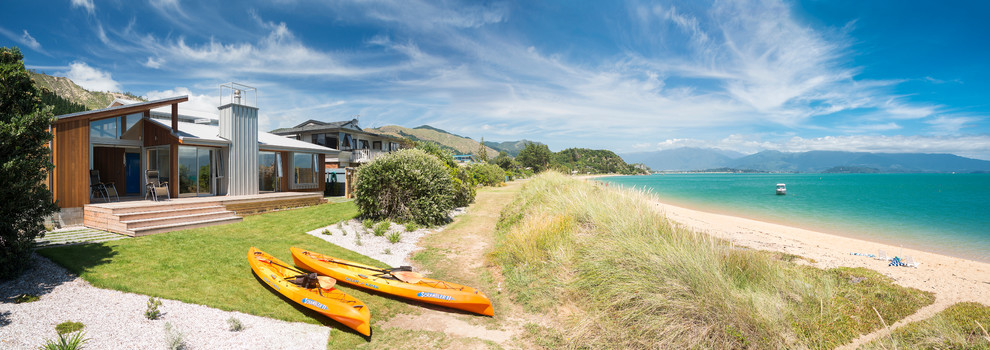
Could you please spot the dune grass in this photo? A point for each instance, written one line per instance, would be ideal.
(209, 265)
(618, 275)
(960, 326)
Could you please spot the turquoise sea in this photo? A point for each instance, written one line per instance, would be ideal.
(942, 213)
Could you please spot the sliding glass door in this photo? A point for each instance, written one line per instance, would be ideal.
(269, 171)
(196, 171)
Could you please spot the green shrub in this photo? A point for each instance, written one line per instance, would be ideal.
(235, 325)
(368, 223)
(65, 342)
(408, 185)
(153, 313)
(411, 226)
(394, 237)
(381, 227)
(68, 327)
(464, 191)
(26, 298)
(487, 174)
(173, 338)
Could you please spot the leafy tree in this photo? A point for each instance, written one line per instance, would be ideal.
(435, 150)
(25, 162)
(482, 151)
(504, 161)
(536, 156)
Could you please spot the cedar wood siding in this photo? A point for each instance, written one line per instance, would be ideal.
(71, 173)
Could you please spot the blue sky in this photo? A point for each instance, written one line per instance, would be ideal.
(877, 76)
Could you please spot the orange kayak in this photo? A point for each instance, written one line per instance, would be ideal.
(331, 302)
(423, 289)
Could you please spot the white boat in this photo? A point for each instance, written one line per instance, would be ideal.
(781, 189)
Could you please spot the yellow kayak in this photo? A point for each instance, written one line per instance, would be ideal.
(404, 284)
(320, 297)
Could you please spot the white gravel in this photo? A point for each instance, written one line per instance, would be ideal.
(352, 235)
(115, 320)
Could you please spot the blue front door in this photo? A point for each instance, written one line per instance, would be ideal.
(132, 164)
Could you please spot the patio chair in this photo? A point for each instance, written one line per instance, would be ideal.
(157, 189)
(99, 188)
(882, 255)
(909, 262)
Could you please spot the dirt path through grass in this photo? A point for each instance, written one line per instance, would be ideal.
(458, 253)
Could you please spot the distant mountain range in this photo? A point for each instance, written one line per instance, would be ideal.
(455, 143)
(510, 147)
(687, 159)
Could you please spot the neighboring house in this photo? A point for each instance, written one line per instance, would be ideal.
(199, 154)
(464, 159)
(356, 145)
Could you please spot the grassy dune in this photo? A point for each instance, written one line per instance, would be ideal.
(960, 326)
(615, 273)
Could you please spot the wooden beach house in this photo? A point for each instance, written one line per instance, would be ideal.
(215, 166)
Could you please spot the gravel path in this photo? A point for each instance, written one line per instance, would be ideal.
(115, 320)
(352, 235)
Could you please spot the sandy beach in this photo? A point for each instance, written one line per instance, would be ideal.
(952, 279)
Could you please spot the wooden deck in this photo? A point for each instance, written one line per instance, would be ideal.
(138, 217)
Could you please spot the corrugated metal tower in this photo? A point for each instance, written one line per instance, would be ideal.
(239, 125)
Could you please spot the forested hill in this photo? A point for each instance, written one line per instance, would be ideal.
(68, 90)
(594, 161)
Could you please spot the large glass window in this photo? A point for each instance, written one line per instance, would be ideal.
(269, 171)
(158, 159)
(104, 128)
(113, 128)
(194, 170)
(304, 168)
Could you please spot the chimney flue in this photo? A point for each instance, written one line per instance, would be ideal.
(237, 96)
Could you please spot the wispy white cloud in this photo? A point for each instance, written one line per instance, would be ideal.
(91, 78)
(946, 125)
(24, 39)
(154, 62)
(85, 4)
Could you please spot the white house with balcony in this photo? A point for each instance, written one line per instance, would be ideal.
(357, 146)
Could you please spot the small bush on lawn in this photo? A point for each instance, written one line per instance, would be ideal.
(68, 327)
(408, 185)
(487, 174)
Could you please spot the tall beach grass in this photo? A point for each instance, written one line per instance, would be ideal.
(617, 273)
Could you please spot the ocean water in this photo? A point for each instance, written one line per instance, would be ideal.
(943, 213)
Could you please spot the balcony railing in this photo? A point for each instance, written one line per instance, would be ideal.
(366, 155)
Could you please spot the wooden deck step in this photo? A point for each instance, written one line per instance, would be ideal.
(170, 212)
(175, 219)
(150, 230)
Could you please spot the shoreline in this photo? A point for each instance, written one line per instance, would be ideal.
(915, 240)
(951, 279)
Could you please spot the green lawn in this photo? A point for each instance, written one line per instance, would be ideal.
(209, 266)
